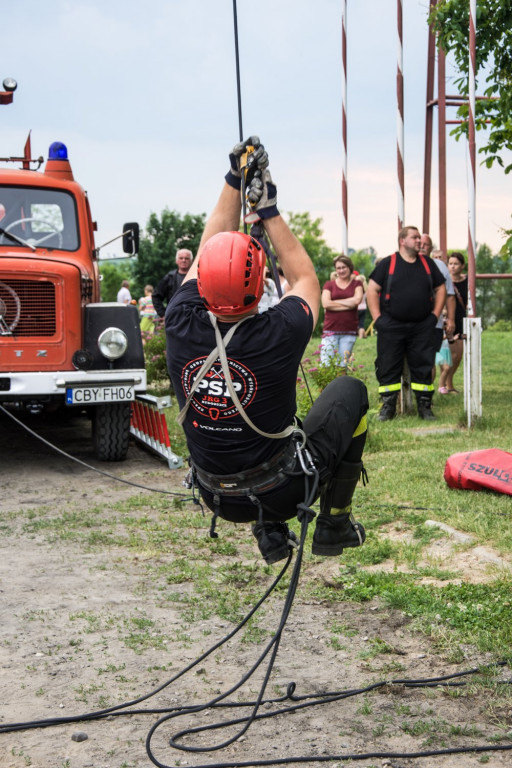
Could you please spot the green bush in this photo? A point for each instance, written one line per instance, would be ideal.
(501, 325)
(154, 353)
(314, 376)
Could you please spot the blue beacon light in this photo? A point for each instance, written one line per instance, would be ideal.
(58, 151)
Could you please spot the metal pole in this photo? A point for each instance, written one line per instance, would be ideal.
(471, 166)
(400, 118)
(472, 327)
(429, 119)
(344, 189)
(472, 324)
(441, 121)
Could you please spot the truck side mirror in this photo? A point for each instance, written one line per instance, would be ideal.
(131, 238)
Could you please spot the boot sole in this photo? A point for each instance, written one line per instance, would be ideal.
(326, 550)
(331, 550)
(276, 555)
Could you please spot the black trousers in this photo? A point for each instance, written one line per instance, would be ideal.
(396, 339)
(336, 431)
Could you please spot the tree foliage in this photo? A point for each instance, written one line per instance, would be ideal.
(164, 235)
(309, 232)
(112, 274)
(493, 297)
(364, 260)
(450, 19)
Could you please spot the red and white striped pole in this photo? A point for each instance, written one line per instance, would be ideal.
(471, 162)
(344, 190)
(400, 118)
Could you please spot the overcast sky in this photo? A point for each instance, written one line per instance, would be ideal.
(144, 96)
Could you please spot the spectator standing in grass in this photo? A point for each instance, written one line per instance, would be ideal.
(170, 283)
(123, 295)
(341, 297)
(362, 310)
(147, 311)
(446, 323)
(406, 295)
(456, 264)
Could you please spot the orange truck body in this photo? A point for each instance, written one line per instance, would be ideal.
(54, 329)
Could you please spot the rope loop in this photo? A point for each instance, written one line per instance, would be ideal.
(305, 513)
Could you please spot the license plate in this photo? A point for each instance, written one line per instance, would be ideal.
(114, 393)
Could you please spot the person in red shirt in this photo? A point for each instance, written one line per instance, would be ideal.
(340, 299)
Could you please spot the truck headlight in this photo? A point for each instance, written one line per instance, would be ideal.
(112, 343)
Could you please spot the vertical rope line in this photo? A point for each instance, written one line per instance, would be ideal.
(344, 188)
(238, 88)
(239, 102)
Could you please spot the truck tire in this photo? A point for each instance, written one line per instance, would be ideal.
(111, 431)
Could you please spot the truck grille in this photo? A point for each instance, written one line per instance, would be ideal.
(27, 307)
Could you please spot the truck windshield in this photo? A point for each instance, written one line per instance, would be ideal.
(43, 218)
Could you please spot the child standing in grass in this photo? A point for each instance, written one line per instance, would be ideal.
(444, 361)
(147, 311)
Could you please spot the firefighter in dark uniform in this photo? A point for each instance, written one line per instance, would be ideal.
(234, 372)
(406, 294)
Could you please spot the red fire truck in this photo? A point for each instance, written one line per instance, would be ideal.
(60, 346)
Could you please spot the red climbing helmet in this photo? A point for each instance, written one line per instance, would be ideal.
(230, 273)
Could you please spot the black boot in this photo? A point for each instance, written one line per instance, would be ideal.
(335, 527)
(274, 540)
(425, 407)
(388, 408)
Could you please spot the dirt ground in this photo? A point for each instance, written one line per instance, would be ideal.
(56, 662)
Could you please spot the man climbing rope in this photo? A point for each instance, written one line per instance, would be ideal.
(234, 372)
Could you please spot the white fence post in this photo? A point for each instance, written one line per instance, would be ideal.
(472, 327)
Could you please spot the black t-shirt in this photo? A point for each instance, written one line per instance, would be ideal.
(460, 304)
(411, 294)
(263, 355)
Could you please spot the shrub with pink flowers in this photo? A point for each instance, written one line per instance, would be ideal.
(156, 361)
(314, 376)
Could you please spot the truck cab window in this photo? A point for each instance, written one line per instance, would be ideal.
(43, 218)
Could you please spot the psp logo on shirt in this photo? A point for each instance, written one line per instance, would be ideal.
(212, 397)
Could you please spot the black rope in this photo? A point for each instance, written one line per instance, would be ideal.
(184, 496)
(120, 708)
(305, 515)
(239, 103)
(238, 87)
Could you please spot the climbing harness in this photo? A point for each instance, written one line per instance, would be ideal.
(259, 479)
(292, 461)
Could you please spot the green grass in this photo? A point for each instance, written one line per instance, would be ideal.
(397, 565)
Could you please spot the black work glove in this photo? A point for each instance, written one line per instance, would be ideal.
(261, 194)
(255, 160)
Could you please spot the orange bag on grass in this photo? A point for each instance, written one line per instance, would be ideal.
(486, 470)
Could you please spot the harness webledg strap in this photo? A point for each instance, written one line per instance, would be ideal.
(214, 354)
(220, 352)
(391, 272)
